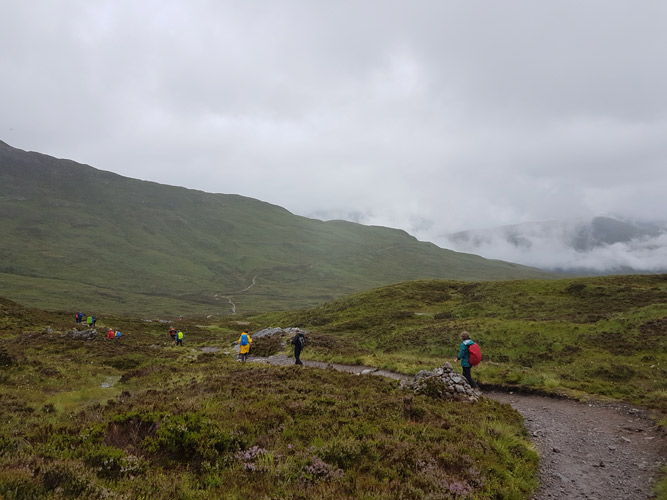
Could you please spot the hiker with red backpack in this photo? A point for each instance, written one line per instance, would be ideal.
(470, 355)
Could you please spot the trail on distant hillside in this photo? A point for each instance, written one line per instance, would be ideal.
(230, 297)
(598, 451)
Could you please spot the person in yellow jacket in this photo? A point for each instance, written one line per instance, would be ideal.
(244, 342)
(179, 338)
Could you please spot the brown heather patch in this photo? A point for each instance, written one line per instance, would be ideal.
(267, 346)
(617, 343)
(128, 435)
(140, 372)
(656, 327)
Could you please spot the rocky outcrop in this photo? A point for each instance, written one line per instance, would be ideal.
(442, 383)
(268, 332)
(82, 334)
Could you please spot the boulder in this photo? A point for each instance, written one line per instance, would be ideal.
(267, 332)
(83, 334)
(442, 383)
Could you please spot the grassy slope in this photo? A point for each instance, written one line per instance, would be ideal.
(77, 237)
(600, 336)
(193, 425)
(177, 423)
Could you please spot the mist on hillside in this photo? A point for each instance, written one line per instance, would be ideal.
(599, 246)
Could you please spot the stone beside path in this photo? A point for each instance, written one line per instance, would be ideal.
(442, 383)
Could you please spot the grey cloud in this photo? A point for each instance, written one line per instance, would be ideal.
(429, 116)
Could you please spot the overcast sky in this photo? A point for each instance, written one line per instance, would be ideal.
(431, 116)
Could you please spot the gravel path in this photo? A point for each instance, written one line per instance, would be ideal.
(587, 450)
(591, 450)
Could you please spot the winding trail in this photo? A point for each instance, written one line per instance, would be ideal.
(595, 451)
(230, 297)
(254, 282)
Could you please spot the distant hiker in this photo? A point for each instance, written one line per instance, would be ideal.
(93, 318)
(111, 334)
(464, 356)
(172, 334)
(299, 342)
(244, 341)
(89, 321)
(79, 318)
(179, 338)
(117, 334)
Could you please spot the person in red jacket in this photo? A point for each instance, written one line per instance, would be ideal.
(111, 334)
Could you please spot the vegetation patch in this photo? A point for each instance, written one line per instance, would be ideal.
(605, 337)
(179, 423)
(193, 429)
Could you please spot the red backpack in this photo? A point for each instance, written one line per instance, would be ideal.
(474, 354)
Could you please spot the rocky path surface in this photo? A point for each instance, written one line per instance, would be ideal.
(595, 451)
(591, 450)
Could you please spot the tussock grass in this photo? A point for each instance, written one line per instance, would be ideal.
(138, 418)
(188, 424)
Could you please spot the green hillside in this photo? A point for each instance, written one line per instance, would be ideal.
(77, 237)
(605, 337)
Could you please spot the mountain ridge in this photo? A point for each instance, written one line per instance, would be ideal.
(73, 234)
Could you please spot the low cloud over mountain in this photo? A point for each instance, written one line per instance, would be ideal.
(599, 246)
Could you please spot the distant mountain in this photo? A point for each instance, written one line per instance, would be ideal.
(77, 237)
(599, 245)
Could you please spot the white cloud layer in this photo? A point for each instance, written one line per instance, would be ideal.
(430, 116)
(566, 246)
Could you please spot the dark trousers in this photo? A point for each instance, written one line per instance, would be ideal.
(468, 376)
(297, 353)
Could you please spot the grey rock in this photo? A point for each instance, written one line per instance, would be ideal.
(83, 334)
(267, 332)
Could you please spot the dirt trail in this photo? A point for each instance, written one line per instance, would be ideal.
(591, 450)
(594, 451)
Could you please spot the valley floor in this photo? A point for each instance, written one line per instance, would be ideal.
(593, 451)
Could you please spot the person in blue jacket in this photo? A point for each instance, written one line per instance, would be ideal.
(464, 356)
